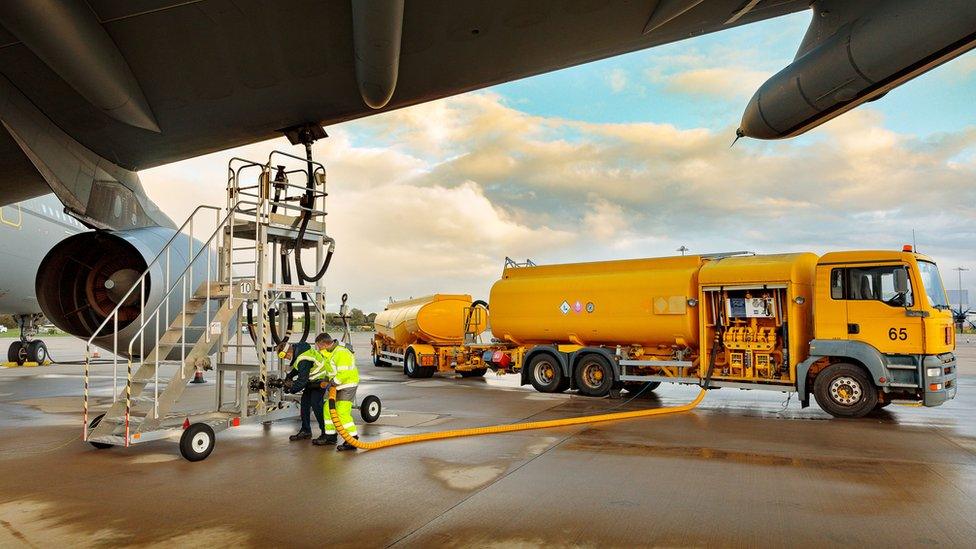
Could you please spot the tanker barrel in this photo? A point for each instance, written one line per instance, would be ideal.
(439, 319)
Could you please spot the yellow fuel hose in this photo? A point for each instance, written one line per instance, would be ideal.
(507, 428)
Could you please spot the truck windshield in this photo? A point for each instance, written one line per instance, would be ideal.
(933, 284)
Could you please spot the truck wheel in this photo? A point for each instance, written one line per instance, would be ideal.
(844, 390)
(477, 372)
(197, 441)
(410, 366)
(594, 376)
(645, 388)
(377, 361)
(546, 375)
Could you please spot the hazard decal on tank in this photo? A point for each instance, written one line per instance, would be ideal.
(590, 306)
(564, 307)
(578, 307)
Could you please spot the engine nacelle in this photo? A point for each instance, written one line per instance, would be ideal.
(856, 52)
(83, 278)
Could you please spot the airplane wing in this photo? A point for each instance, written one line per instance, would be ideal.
(215, 74)
(140, 83)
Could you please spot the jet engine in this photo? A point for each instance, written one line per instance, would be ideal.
(855, 52)
(85, 276)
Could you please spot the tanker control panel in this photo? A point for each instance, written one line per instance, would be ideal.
(856, 329)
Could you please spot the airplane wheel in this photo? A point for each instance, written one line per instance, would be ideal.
(197, 442)
(37, 351)
(371, 408)
(17, 352)
(91, 427)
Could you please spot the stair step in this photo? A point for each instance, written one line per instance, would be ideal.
(120, 420)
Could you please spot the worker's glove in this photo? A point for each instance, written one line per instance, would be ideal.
(287, 384)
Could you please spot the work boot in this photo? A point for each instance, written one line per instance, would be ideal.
(325, 440)
(300, 435)
(346, 446)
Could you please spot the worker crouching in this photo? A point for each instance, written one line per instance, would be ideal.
(344, 376)
(307, 373)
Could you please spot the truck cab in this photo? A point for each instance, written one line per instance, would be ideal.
(882, 332)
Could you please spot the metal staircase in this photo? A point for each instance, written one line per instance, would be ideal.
(193, 322)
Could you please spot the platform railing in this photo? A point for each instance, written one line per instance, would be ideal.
(162, 260)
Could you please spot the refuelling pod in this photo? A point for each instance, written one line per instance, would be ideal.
(82, 279)
(436, 319)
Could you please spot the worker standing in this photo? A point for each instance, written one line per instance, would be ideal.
(306, 375)
(344, 376)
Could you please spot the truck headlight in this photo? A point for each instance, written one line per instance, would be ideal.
(932, 372)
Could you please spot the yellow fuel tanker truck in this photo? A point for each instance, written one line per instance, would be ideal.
(857, 329)
(434, 333)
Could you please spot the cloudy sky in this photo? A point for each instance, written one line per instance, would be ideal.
(629, 157)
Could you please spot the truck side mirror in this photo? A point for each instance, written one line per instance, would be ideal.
(901, 281)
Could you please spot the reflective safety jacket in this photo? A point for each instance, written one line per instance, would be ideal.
(304, 367)
(320, 370)
(342, 368)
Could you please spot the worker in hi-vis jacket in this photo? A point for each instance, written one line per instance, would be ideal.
(344, 376)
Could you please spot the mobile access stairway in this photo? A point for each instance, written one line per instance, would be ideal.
(235, 248)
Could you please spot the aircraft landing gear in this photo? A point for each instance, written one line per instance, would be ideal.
(28, 349)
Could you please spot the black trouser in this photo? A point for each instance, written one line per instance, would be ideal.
(313, 398)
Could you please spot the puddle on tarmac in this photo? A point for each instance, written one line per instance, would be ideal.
(63, 405)
(35, 524)
(461, 476)
(154, 458)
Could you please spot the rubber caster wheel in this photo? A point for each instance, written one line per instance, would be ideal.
(371, 408)
(17, 352)
(91, 427)
(197, 442)
(37, 352)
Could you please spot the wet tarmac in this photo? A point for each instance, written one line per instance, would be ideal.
(744, 469)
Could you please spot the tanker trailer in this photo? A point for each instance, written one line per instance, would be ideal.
(429, 334)
(882, 331)
(571, 319)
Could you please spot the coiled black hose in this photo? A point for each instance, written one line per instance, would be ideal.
(307, 202)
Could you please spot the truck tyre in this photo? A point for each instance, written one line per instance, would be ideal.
(546, 375)
(410, 366)
(477, 372)
(413, 368)
(377, 361)
(593, 376)
(844, 390)
(645, 388)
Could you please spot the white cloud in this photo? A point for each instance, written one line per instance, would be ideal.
(723, 82)
(446, 190)
(617, 80)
